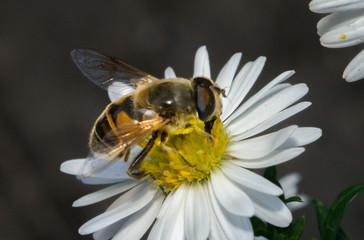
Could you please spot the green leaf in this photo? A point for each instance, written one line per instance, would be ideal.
(293, 199)
(341, 235)
(321, 213)
(271, 174)
(294, 231)
(259, 227)
(298, 228)
(337, 211)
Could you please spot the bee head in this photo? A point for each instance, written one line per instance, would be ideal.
(171, 98)
(207, 98)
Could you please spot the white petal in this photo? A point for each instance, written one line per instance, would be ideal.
(227, 73)
(238, 80)
(72, 166)
(169, 73)
(274, 91)
(164, 207)
(109, 231)
(289, 184)
(270, 209)
(302, 136)
(216, 230)
(258, 96)
(127, 204)
(138, 224)
(241, 85)
(327, 6)
(282, 77)
(268, 94)
(115, 171)
(336, 20)
(171, 224)
(95, 167)
(345, 35)
(260, 146)
(217, 233)
(98, 181)
(197, 216)
(104, 193)
(235, 87)
(117, 90)
(202, 63)
(274, 158)
(264, 109)
(118, 169)
(234, 226)
(260, 238)
(355, 70)
(273, 120)
(231, 197)
(246, 178)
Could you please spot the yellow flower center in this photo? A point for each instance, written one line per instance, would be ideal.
(197, 155)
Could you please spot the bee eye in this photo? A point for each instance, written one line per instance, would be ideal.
(204, 98)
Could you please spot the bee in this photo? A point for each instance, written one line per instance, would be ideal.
(151, 109)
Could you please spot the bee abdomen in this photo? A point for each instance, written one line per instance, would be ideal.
(105, 134)
(102, 136)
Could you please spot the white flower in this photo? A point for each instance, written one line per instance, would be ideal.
(260, 238)
(289, 185)
(344, 27)
(218, 202)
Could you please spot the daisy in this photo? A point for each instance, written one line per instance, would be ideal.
(215, 196)
(289, 184)
(343, 27)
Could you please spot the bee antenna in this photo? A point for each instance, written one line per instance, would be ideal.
(223, 93)
(220, 91)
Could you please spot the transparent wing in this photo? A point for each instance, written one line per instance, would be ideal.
(125, 137)
(106, 71)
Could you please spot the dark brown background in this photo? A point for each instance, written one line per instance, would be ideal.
(48, 108)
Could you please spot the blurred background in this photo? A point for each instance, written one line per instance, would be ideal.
(48, 107)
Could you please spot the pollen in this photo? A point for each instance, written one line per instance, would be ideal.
(343, 36)
(192, 160)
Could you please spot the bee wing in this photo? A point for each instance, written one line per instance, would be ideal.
(106, 71)
(127, 136)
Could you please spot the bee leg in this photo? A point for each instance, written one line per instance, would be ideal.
(165, 192)
(127, 155)
(133, 170)
(206, 134)
(170, 150)
(209, 124)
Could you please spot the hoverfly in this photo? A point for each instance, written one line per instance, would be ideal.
(153, 108)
